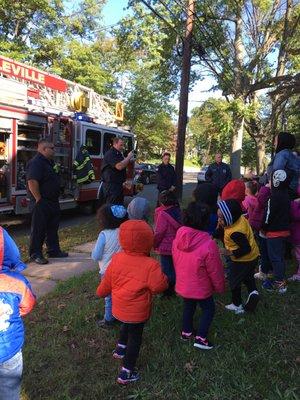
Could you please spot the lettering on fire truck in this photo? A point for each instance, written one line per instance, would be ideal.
(20, 71)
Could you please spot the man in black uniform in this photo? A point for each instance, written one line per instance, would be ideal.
(43, 185)
(166, 177)
(218, 173)
(114, 172)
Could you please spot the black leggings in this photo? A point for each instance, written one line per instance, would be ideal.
(131, 337)
(241, 272)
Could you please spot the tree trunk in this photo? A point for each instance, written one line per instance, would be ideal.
(237, 137)
(206, 157)
(236, 147)
(260, 154)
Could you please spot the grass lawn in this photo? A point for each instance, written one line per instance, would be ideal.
(68, 357)
(68, 237)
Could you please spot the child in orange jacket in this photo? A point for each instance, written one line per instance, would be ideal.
(132, 278)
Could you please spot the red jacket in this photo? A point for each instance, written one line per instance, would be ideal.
(165, 230)
(133, 277)
(198, 265)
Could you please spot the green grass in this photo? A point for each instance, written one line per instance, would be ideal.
(68, 357)
(68, 237)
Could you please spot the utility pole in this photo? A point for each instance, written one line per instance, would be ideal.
(184, 94)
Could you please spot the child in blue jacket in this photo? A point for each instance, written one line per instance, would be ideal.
(16, 300)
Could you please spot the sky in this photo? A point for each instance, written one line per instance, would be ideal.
(114, 10)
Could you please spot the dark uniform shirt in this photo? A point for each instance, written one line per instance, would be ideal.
(218, 174)
(110, 174)
(166, 177)
(41, 169)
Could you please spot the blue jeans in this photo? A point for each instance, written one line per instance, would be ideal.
(265, 262)
(168, 268)
(276, 252)
(208, 312)
(10, 377)
(108, 309)
(107, 306)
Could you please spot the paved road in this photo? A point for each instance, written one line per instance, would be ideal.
(19, 226)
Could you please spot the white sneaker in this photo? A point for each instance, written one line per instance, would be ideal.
(260, 275)
(236, 309)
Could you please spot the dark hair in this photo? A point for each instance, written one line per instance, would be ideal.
(45, 140)
(107, 220)
(285, 140)
(206, 193)
(168, 198)
(166, 154)
(196, 215)
(117, 139)
(252, 186)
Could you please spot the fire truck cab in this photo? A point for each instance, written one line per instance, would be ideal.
(33, 105)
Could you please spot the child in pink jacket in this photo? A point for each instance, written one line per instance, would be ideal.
(250, 202)
(167, 220)
(199, 272)
(295, 233)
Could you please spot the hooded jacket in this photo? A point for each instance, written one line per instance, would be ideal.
(256, 217)
(277, 216)
(238, 235)
(295, 224)
(167, 223)
(286, 160)
(198, 266)
(133, 277)
(16, 298)
(235, 189)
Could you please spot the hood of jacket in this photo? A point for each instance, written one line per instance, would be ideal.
(138, 208)
(136, 237)
(234, 189)
(231, 211)
(188, 239)
(9, 254)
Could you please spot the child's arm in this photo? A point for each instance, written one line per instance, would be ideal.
(28, 299)
(243, 245)
(157, 281)
(215, 269)
(98, 250)
(159, 231)
(105, 286)
(295, 210)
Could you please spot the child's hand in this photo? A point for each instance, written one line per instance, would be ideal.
(225, 252)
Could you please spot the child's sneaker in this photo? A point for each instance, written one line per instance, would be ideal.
(260, 275)
(119, 351)
(186, 336)
(126, 376)
(294, 278)
(236, 309)
(103, 323)
(280, 286)
(203, 344)
(252, 301)
(268, 285)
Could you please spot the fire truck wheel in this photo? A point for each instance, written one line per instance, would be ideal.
(87, 208)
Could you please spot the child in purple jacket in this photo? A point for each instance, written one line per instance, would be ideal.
(295, 233)
(167, 220)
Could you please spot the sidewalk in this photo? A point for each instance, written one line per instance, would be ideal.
(44, 278)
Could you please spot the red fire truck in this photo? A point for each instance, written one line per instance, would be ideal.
(35, 104)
